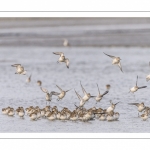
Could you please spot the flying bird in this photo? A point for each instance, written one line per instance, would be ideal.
(19, 69)
(116, 61)
(135, 88)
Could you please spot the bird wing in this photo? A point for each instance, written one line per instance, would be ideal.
(80, 98)
(54, 93)
(119, 64)
(98, 89)
(58, 53)
(44, 90)
(30, 76)
(134, 104)
(136, 80)
(67, 62)
(59, 88)
(105, 93)
(16, 65)
(109, 55)
(85, 93)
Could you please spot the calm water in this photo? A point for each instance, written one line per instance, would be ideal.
(90, 66)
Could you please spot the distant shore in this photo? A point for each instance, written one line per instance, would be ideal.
(81, 32)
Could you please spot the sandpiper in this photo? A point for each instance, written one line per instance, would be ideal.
(99, 96)
(135, 88)
(108, 87)
(33, 116)
(51, 116)
(4, 111)
(48, 96)
(62, 94)
(29, 79)
(19, 69)
(86, 96)
(39, 83)
(148, 76)
(82, 102)
(21, 113)
(62, 58)
(144, 117)
(140, 106)
(66, 43)
(112, 107)
(102, 117)
(116, 116)
(11, 112)
(116, 61)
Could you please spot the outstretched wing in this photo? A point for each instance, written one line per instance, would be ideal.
(54, 93)
(30, 77)
(105, 93)
(134, 104)
(16, 65)
(85, 93)
(119, 64)
(98, 89)
(136, 80)
(44, 90)
(67, 62)
(109, 55)
(80, 98)
(58, 53)
(59, 88)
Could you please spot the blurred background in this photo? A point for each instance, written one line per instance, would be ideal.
(79, 31)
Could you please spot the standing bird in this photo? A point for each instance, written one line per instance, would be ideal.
(48, 96)
(62, 94)
(62, 58)
(99, 96)
(135, 88)
(29, 79)
(148, 76)
(86, 96)
(66, 43)
(116, 61)
(19, 69)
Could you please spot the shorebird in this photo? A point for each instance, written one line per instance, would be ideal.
(108, 87)
(100, 96)
(48, 96)
(82, 102)
(135, 88)
(39, 83)
(148, 76)
(116, 60)
(144, 117)
(62, 58)
(112, 107)
(62, 94)
(66, 43)
(116, 116)
(140, 106)
(29, 79)
(11, 112)
(19, 69)
(86, 96)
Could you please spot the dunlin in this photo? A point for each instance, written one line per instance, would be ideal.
(62, 58)
(116, 60)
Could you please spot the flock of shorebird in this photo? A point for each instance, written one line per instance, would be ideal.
(80, 112)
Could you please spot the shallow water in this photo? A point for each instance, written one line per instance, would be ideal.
(87, 64)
